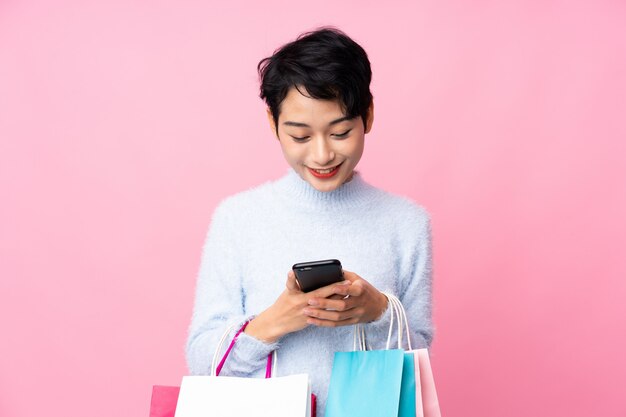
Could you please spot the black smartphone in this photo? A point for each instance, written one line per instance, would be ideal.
(313, 275)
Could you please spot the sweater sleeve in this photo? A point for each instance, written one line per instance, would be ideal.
(414, 289)
(219, 305)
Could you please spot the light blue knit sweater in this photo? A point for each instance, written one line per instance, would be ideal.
(257, 235)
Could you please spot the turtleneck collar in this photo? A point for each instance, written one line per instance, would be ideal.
(297, 191)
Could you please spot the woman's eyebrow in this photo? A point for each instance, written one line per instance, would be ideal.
(334, 122)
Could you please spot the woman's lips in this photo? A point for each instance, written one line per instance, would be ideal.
(325, 173)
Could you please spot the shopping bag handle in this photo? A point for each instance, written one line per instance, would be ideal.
(398, 315)
(402, 321)
(230, 347)
(215, 370)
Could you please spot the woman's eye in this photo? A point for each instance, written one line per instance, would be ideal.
(302, 139)
(343, 135)
(306, 138)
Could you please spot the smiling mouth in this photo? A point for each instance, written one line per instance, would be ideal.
(324, 173)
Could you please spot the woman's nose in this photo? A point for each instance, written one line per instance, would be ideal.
(322, 152)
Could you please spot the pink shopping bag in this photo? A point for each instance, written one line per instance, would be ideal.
(163, 403)
(427, 403)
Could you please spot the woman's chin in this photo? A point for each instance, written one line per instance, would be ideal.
(325, 188)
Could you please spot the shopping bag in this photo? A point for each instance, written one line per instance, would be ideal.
(165, 398)
(202, 396)
(409, 400)
(430, 402)
(408, 391)
(365, 384)
(163, 402)
(390, 382)
(426, 401)
(376, 383)
(264, 399)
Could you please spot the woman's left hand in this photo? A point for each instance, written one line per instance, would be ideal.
(364, 304)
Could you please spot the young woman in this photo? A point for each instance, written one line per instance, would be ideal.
(319, 108)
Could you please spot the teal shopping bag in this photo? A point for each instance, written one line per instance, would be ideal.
(367, 384)
(407, 406)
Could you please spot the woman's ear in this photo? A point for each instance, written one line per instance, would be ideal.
(270, 119)
(370, 117)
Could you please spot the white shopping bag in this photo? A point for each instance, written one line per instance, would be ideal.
(223, 396)
(228, 396)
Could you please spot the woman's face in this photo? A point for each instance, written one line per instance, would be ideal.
(318, 141)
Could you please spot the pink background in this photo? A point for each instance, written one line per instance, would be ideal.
(122, 124)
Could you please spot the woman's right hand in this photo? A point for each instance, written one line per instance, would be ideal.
(286, 314)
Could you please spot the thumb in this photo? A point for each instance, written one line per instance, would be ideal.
(292, 285)
(350, 276)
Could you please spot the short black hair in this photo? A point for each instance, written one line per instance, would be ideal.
(327, 63)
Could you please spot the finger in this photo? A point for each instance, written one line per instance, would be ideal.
(354, 289)
(292, 284)
(341, 304)
(328, 290)
(329, 323)
(328, 315)
(350, 276)
(336, 297)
